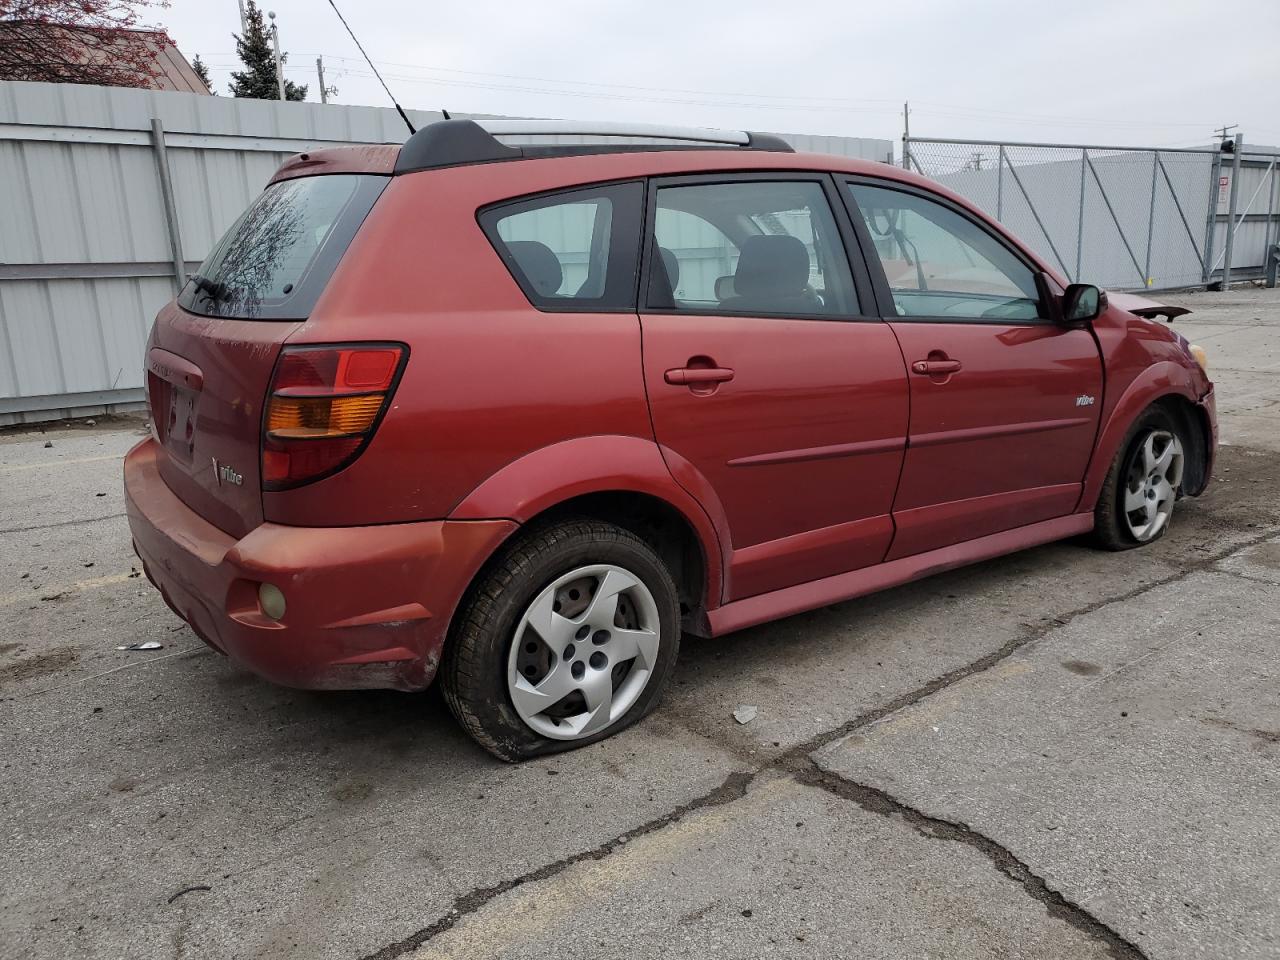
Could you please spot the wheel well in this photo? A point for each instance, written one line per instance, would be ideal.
(1195, 432)
(661, 526)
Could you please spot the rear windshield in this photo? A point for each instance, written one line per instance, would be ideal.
(275, 260)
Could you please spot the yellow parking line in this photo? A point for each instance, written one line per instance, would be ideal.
(80, 586)
(59, 463)
(523, 914)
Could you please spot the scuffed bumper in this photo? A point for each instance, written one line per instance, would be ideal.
(366, 607)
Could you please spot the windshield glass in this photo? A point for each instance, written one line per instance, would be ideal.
(275, 260)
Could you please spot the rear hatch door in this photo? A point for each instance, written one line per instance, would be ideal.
(212, 351)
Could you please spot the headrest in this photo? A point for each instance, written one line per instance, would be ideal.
(771, 266)
(538, 264)
(673, 268)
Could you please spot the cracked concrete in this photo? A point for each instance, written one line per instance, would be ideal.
(877, 801)
(1061, 753)
(1127, 789)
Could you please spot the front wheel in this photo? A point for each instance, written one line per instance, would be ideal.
(1142, 486)
(567, 638)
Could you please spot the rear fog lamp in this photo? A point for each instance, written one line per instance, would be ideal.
(271, 600)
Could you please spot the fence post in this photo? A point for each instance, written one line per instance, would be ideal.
(1211, 217)
(1151, 218)
(1231, 212)
(170, 207)
(1271, 209)
(1000, 185)
(1084, 162)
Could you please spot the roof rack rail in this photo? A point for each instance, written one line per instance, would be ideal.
(452, 143)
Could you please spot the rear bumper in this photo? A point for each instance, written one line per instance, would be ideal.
(365, 606)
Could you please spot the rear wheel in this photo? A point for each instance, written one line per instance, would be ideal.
(1143, 484)
(567, 638)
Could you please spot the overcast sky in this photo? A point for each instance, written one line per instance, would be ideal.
(1142, 72)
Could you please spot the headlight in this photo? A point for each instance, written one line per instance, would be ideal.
(1202, 358)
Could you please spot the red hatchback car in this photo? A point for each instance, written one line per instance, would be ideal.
(519, 416)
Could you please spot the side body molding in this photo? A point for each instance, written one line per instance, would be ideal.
(551, 475)
(1161, 379)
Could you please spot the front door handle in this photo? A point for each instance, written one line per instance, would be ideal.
(693, 376)
(935, 368)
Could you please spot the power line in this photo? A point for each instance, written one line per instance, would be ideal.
(399, 109)
(594, 90)
(584, 94)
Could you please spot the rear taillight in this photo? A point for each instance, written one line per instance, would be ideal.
(323, 407)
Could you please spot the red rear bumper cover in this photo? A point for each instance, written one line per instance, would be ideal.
(365, 606)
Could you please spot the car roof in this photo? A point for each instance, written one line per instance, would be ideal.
(640, 160)
(519, 175)
(458, 143)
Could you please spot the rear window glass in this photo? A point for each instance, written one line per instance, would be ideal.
(276, 259)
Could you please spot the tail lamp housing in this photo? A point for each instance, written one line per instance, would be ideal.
(324, 404)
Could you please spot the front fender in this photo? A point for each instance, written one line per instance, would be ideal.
(554, 474)
(1162, 379)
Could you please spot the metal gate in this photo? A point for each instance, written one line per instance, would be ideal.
(1121, 217)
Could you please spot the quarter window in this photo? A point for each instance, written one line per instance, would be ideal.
(755, 248)
(572, 250)
(942, 265)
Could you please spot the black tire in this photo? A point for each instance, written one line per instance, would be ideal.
(473, 673)
(1111, 530)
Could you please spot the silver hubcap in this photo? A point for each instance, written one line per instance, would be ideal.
(1152, 484)
(583, 652)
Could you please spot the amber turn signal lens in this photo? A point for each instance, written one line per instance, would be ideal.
(1202, 358)
(296, 418)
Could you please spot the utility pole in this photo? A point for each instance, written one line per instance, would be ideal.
(1231, 211)
(906, 136)
(275, 41)
(244, 27)
(1223, 131)
(324, 93)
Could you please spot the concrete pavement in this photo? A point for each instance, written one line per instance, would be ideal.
(1062, 753)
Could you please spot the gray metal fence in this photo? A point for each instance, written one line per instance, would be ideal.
(1121, 217)
(109, 196)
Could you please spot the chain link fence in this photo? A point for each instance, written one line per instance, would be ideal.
(1123, 218)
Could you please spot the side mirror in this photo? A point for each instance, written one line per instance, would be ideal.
(1082, 302)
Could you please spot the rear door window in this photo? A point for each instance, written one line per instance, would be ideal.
(751, 248)
(277, 257)
(571, 251)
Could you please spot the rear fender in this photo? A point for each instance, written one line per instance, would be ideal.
(562, 471)
(1158, 380)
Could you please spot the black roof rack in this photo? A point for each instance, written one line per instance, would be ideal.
(452, 143)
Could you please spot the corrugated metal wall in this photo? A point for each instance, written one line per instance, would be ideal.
(86, 257)
(1124, 218)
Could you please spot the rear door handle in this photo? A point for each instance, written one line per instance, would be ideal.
(934, 368)
(692, 376)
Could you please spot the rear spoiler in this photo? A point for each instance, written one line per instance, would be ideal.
(1147, 309)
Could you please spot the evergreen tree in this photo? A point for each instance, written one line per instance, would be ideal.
(258, 79)
(202, 71)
